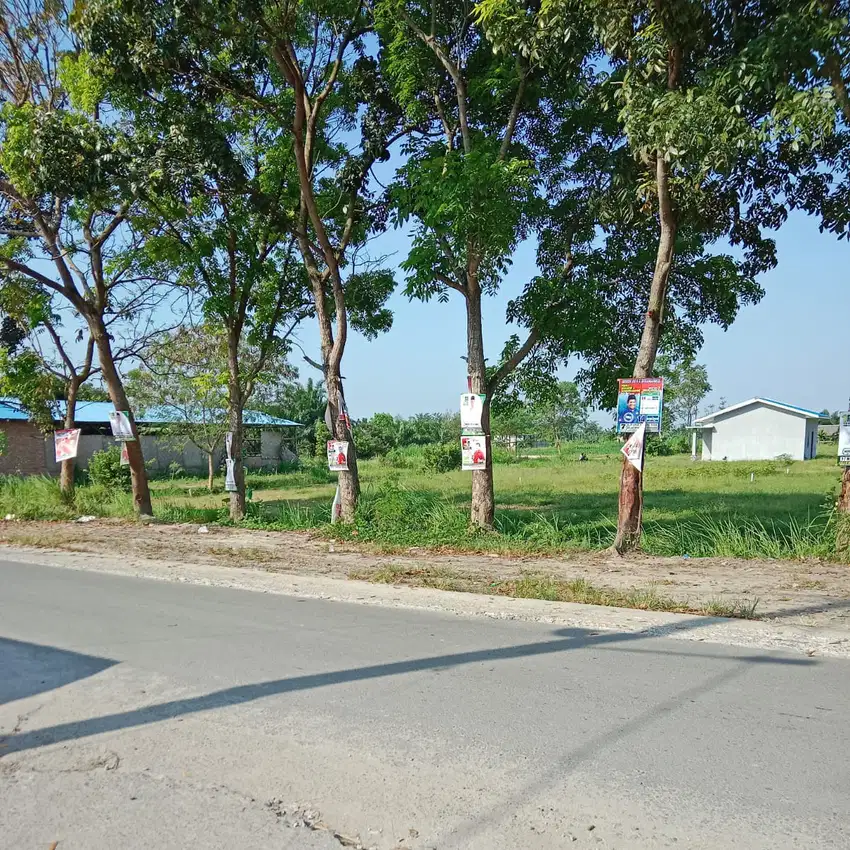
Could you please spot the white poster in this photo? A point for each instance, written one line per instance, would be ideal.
(228, 443)
(337, 455)
(125, 455)
(229, 476)
(120, 422)
(471, 408)
(65, 443)
(473, 452)
(633, 449)
(844, 440)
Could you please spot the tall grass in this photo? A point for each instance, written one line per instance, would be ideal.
(39, 497)
(745, 537)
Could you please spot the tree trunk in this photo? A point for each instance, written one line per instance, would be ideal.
(210, 471)
(237, 497)
(68, 467)
(483, 497)
(235, 404)
(118, 396)
(349, 481)
(630, 509)
(842, 537)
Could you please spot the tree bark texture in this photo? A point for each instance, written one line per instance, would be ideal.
(631, 480)
(237, 496)
(349, 480)
(69, 466)
(483, 497)
(842, 537)
(235, 403)
(210, 471)
(118, 396)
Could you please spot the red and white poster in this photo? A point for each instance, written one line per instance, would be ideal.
(125, 455)
(337, 455)
(633, 449)
(473, 450)
(66, 443)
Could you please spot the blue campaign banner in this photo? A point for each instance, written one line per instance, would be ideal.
(640, 400)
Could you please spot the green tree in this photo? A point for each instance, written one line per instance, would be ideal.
(302, 68)
(562, 415)
(186, 376)
(69, 180)
(471, 188)
(686, 385)
(304, 403)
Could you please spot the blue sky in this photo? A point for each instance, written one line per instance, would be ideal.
(788, 347)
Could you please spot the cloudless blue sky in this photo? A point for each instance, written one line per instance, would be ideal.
(794, 346)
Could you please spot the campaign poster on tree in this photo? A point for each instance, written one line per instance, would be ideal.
(65, 443)
(119, 420)
(640, 401)
(230, 475)
(473, 452)
(337, 455)
(844, 440)
(633, 449)
(471, 408)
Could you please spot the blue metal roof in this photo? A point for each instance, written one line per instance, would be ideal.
(97, 413)
(814, 414)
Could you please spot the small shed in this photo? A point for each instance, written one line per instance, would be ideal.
(265, 442)
(759, 429)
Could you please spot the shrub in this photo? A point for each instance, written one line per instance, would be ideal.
(105, 469)
(442, 457)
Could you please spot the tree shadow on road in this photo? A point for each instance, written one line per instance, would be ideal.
(565, 640)
(27, 669)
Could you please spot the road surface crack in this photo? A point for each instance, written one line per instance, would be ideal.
(297, 816)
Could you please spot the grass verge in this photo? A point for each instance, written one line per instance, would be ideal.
(552, 589)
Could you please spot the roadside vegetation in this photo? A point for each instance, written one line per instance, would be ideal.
(549, 503)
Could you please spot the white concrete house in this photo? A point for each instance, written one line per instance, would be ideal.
(758, 429)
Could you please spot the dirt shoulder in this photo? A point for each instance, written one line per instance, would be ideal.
(810, 593)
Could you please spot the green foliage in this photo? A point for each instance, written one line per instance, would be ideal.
(4, 443)
(23, 376)
(686, 384)
(442, 457)
(105, 469)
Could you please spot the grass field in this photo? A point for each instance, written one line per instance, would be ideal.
(545, 504)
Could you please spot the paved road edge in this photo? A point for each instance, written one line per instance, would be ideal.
(755, 634)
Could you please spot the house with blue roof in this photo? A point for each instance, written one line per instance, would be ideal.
(759, 429)
(267, 440)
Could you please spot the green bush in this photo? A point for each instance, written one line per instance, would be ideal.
(442, 457)
(105, 469)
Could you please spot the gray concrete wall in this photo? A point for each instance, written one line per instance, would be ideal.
(756, 432)
(160, 452)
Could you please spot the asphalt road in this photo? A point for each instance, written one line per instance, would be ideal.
(138, 714)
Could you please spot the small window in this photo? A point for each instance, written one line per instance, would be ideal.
(252, 442)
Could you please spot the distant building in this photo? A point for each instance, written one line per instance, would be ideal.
(758, 429)
(266, 441)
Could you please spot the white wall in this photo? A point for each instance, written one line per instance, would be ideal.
(756, 432)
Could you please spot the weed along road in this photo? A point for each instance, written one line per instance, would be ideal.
(138, 713)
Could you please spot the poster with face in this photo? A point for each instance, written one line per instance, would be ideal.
(640, 402)
(471, 408)
(65, 443)
(473, 450)
(337, 455)
(119, 421)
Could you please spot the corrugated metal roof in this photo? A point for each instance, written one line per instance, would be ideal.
(97, 413)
